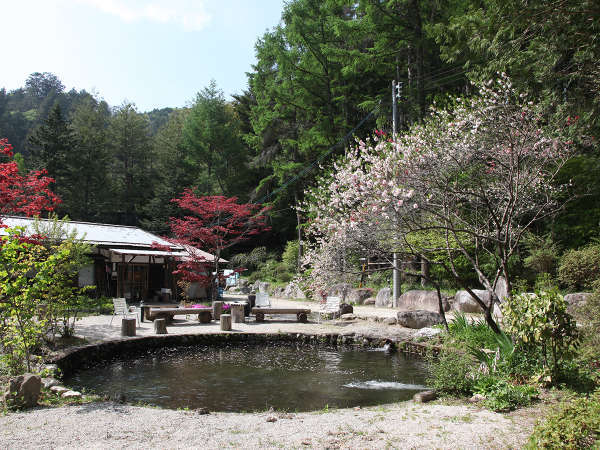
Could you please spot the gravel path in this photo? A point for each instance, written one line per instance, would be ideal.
(399, 425)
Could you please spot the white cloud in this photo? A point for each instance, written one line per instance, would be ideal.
(190, 14)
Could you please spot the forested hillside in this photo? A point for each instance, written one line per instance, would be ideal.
(322, 77)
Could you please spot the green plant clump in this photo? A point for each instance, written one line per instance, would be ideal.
(502, 396)
(451, 373)
(580, 268)
(540, 325)
(573, 425)
(471, 333)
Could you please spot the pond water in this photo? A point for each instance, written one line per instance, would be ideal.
(256, 378)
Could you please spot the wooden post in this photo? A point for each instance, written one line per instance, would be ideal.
(217, 310)
(237, 313)
(204, 316)
(128, 327)
(225, 322)
(160, 326)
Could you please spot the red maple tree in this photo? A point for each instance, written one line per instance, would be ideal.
(23, 194)
(215, 224)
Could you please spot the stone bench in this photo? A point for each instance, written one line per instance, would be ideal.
(301, 313)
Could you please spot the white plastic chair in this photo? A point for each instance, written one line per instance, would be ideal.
(121, 309)
(262, 300)
(331, 307)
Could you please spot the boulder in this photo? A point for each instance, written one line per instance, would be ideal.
(574, 301)
(71, 394)
(425, 396)
(390, 321)
(463, 301)
(370, 301)
(49, 382)
(358, 296)
(427, 333)
(418, 319)
(502, 289)
(278, 292)
(420, 299)
(340, 290)
(345, 308)
(292, 290)
(384, 298)
(244, 289)
(58, 389)
(348, 317)
(24, 390)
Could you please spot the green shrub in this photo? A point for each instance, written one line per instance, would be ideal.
(290, 256)
(451, 373)
(580, 268)
(500, 395)
(573, 424)
(471, 333)
(540, 324)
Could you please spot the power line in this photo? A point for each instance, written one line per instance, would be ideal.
(309, 168)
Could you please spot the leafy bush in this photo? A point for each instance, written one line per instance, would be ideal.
(540, 324)
(580, 268)
(451, 373)
(471, 333)
(573, 424)
(500, 395)
(290, 256)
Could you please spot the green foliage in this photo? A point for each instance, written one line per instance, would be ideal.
(580, 268)
(290, 256)
(36, 292)
(543, 253)
(250, 261)
(573, 424)
(451, 373)
(502, 396)
(540, 324)
(474, 333)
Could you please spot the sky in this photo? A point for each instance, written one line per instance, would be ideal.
(154, 53)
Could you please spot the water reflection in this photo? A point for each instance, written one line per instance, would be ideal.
(256, 378)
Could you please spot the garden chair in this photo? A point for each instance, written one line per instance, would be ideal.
(262, 300)
(121, 309)
(330, 307)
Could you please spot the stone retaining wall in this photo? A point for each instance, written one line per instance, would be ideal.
(99, 353)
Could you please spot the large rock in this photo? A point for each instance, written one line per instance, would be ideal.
(340, 290)
(418, 319)
(278, 292)
(420, 299)
(502, 289)
(345, 308)
(358, 296)
(24, 390)
(292, 290)
(384, 298)
(370, 301)
(463, 301)
(575, 301)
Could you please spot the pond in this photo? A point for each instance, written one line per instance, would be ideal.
(251, 378)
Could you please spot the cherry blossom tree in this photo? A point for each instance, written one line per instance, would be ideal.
(466, 183)
(215, 224)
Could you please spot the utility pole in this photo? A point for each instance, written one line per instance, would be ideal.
(396, 269)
